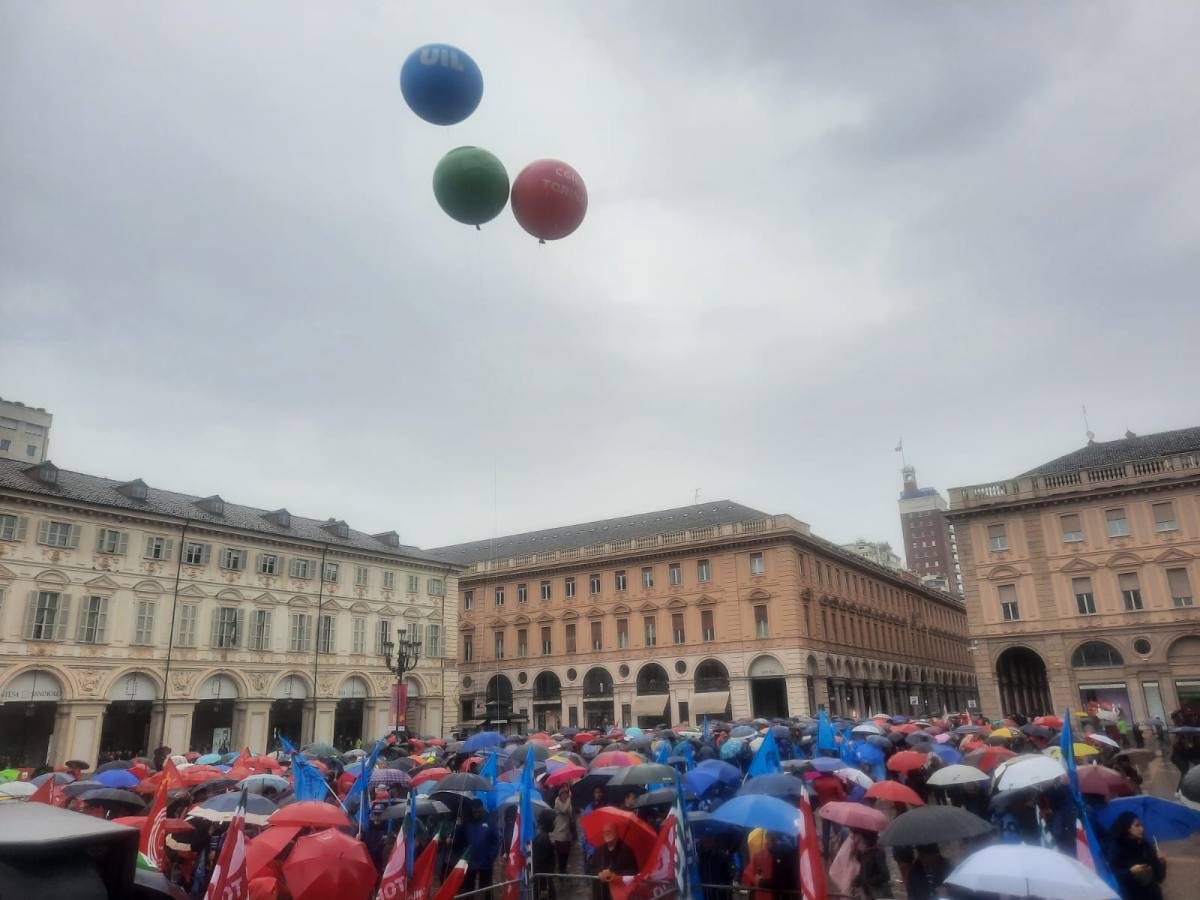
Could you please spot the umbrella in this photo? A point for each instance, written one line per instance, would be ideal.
(1138, 757)
(856, 776)
(506, 810)
(540, 752)
(269, 843)
(731, 748)
(208, 759)
(581, 791)
(1101, 739)
(933, 825)
(482, 741)
(830, 763)
(1080, 750)
(318, 748)
(968, 729)
(104, 796)
(1023, 870)
(854, 815)
(744, 731)
(215, 785)
(222, 807)
(1027, 772)
(894, 792)
(464, 781)
(329, 864)
(310, 812)
(1038, 731)
(760, 811)
(659, 797)
(455, 801)
(1003, 733)
(75, 788)
(906, 761)
(393, 776)
(436, 773)
(1049, 721)
(866, 728)
(704, 825)
(1165, 820)
(879, 740)
(710, 772)
(949, 755)
(566, 775)
(115, 764)
(59, 778)
(643, 774)
(987, 758)
(1190, 786)
(11, 790)
(774, 786)
(1104, 781)
(425, 807)
(956, 774)
(617, 758)
(633, 831)
(256, 784)
(919, 739)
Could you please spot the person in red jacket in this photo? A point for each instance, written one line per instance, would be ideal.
(828, 788)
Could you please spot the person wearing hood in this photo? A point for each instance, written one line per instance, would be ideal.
(1135, 861)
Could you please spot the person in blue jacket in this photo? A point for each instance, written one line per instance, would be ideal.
(477, 836)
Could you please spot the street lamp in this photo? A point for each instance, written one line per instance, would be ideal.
(407, 651)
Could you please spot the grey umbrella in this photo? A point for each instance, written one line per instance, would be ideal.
(104, 796)
(425, 807)
(75, 788)
(933, 825)
(643, 774)
(464, 781)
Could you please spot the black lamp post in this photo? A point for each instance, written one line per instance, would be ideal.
(407, 651)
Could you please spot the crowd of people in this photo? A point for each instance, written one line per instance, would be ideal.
(899, 804)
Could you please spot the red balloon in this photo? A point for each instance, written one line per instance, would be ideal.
(549, 199)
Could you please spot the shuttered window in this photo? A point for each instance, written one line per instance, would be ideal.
(188, 615)
(233, 559)
(382, 632)
(110, 540)
(1181, 587)
(93, 620)
(143, 623)
(677, 631)
(361, 575)
(1009, 610)
(58, 534)
(226, 627)
(1131, 591)
(301, 568)
(300, 633)
(196, 554)
(46, 616)
(1085, 600)
(260, 629)
(270, 564)
(707, 630)
(327, 635)
(159, 548)
(13, 528)
(433, 643)
(389, 581)
(1072, 528)
(1164, 516)
(358, 636)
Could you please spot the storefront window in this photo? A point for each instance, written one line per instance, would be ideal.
(1107, 708)
(1154, 704)
(1188, 693)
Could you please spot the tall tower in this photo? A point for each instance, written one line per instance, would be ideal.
(930, 549)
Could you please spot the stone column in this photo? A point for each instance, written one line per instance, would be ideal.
(175, 717)
(323, 713)
(254, 718)
(740, 701)
(376, 719)
(77, 727)
(797, 694)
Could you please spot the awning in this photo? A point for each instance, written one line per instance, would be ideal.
(651, 704)
(710, 703)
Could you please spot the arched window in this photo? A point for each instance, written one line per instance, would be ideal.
(547, 687)
(652, 679)
(597, 683)
(499, 697)
(1096, 653)
(711, 676)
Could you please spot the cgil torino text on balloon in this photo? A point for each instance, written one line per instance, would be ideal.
(565, 189)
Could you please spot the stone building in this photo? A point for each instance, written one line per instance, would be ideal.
(132, 616)
(715, 609)
(1080, 579)
(930, 548)
(24, 432)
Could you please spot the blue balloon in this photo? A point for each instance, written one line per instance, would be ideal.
(441, 83)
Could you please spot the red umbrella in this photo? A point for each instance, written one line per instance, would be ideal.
(895, 792)
(465, 765)
(565, 775)
(617, 758)
(310, 812)
(1104, 781)
(542, 738)
(633, 831)
(988, 758)
(855, 815)
(906, 761)
(268, 845)
(434, 774)
(1049, 721)
(329, 865)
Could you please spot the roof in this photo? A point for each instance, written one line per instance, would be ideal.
(92, 489)
(1127, 449)
(29, 826)
(566, 537)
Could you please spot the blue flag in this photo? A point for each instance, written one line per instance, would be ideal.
(706, 734)
(527, 829)
(825, 734)
(664, 753)
(310, 783)
(409, 836)
(688, 756)
(287, 745)
(1067, 750)
(490, 771)
(687, 880)
(847, 751)
(766, 759)
(362, 787)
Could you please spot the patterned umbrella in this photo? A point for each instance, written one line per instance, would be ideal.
(617, 758)
(390, 776)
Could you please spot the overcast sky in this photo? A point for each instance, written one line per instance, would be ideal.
(813, 229)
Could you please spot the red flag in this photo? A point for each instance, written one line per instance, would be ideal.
(47, 792)
(450, 886)
(658, 874)
(516, 861)
(229, 880)
(422, 877)
(153, 833)
(812, 867)
(394, 883)
(1083, 851)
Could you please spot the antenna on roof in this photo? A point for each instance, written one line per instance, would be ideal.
(1091, 435)
(696, 497)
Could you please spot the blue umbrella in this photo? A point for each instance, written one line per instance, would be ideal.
(744, 731)
(773, 785)
(760, 811)
(354, 768)
(1165, 820)
(633, 732)
(117, 778)
(704, 825)
(208, 759)
(482, 740)
(948, 754)
(710, 772)
(731, 748)
(827, 764)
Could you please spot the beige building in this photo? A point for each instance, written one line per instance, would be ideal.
(132, 616)
(24, 432)
(1080, 579)
(715, 609)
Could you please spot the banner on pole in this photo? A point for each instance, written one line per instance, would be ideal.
(399, 705)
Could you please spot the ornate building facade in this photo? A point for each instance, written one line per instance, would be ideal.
(132, 616)
(715, 609)
(1080, 580)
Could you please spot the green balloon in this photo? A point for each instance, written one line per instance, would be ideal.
(470, 185)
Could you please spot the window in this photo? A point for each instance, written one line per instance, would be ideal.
(619, 579)
(414, 584)
(545, 590)
(260, 629)
(675, 574)
(707, 631)
(93, 619)
(1118, 525)
(362, 576)
(468, 645)
(571, 648)
(650, 631)
(499, 636)
(143, 623)
(677, 631)
(522, 642)
(12, 528)
(594, 584)
(159, 548)
(109, 540)
(703, 570)
(623, 634)
(269, 564)
(389, 581)
(997, 537)
(1085, 600)
(331, 572)
(1131, 591)
(327, 635)
(760, 621)
(31, 450)
(302, 568)
(225, 622)
(522, 593)
(1072, 528)
(383, 630)
(1096, 653)
(1164, 516)
(547, 645)
(468, 599)
(197, 554)
(647, 576)
(597, 636)
(46, 617)
(358, 635)
(234, 560)
(1009, 609)
(188, 613)
(569, 587)
(437, 587)
(5, 443)
(433, 643)
(756, 564)
(300, 635)
(1181, 587)
(58, 534)
(500, 596)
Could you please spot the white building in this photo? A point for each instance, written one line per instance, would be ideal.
(24, 432)
(132, 617)
(878, 552)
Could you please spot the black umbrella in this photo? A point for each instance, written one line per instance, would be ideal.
(774, 786)
(215, 785)
(879, 740)
(661, 797)
(797, 765)
(919, 739)
(1190, 786)
(455, 800)
(75, 788)
(105, 796)
(425, 807)
(116, 764)
(504, 812)
(464, 781)
(933, 825)
(643, 774)
(150, 885)
(581, 791)
(540, 752)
